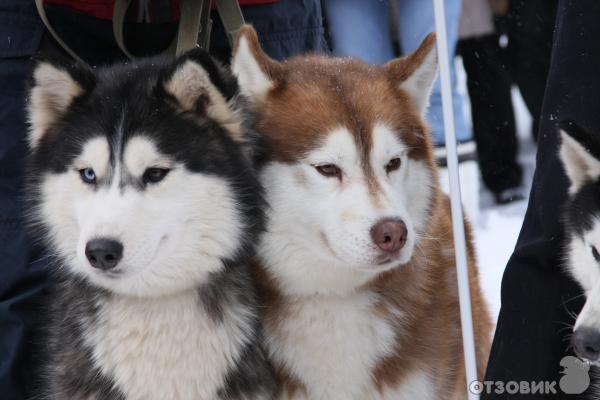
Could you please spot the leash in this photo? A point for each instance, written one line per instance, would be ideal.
(39, 4)
(194, 27)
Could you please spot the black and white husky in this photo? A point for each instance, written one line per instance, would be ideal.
(580, 155)
(141, 184)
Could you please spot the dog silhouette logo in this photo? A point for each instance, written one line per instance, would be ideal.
(576, 377)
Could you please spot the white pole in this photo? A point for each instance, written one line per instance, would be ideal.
(458, 228)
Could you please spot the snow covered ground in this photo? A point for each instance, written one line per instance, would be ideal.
(497, 227)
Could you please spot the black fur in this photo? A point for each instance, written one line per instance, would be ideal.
(580, 209)
(69, 372)
(578, 214)
(588, 141)
(189, 137)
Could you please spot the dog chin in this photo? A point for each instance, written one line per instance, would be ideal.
(112, 280)
(386, 262)
(398, 259)
(135, 285)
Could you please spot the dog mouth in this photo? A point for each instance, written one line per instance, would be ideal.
(126, 269)
(113, 274)
(385, 259)
(382, 263)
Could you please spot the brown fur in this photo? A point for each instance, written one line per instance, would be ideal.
(310, 96)
(425, 289)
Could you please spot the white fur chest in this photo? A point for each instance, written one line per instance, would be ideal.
(417, 385)
(332, 344)
(166, 348)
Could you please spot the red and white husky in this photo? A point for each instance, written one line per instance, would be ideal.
(356, 271)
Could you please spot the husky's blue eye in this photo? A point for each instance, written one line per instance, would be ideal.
(154, 175)
(595, 253)
(88, 175)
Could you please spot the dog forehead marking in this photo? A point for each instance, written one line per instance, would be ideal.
(386, 143)
(350, 150)
(593, 235)
(95, 154)
(301, 110)
(580, 254)
(140, 153)
(338, 147)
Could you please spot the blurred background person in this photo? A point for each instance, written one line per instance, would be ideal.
(539, 299)
(489, 88)
(508, 46)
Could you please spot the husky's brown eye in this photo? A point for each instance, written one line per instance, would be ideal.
(154, 175)
(393, 165)
(329, 170)
(595, 253)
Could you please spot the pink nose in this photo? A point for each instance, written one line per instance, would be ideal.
(389, 234)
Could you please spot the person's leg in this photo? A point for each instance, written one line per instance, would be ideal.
(285, 29)
(492, 114)
(415, 21)
(20, 281)
(530, 26)
(537, 296)
(359, 28)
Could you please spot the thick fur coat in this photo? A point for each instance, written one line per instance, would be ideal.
(356, 271)
(142, 187)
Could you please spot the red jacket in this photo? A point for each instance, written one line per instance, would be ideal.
(104, 8)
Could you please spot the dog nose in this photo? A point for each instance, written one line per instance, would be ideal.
(103, 253)
(389, 234)
(586, 342)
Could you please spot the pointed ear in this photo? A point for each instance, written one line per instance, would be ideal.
(202, 86)
(579, 155)
(253, 68)
(416, 72)
(52, 88)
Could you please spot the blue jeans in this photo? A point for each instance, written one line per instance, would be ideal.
(361, 29)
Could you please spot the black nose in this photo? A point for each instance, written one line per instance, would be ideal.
(103, 253)
(586, 342)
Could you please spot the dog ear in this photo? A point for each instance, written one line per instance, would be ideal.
(200, 85)
(254, 70)
(579, 155)
(416, 72)
(52, 86)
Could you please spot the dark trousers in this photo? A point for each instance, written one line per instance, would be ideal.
(489, 86)
(286, 28)
(537, 295)
(529, 26)
(492, 70)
